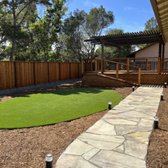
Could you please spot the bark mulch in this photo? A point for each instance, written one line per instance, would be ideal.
(26, 148)
(158, 148)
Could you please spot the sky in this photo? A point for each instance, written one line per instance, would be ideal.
(130, 15)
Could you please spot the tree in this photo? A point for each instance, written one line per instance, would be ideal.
(25, 31)
(115, 52)
(13, 16)
(80, 26)
(44, 32)
(151, 24)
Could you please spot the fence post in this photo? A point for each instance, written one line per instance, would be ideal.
(83, 68)
(14, 73)
(48, 72)
(139, 76)
(128, 64)
(69, 70)
(59, 70)
(34, 73)
(117, 70)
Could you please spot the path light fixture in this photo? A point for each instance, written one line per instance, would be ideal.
(49, 159)
(165, 85)
(109, 105)
(156, 123)
(161, 97)
(133, 88)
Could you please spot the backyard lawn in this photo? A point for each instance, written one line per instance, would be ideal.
(54, 107)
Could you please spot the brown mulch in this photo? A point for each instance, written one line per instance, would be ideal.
(158, 148)
(26, 148)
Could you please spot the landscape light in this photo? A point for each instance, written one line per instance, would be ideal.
(161, 97)
(49, 159)
(156, 123)
(133, 88)
(165, 84)
(109, 105)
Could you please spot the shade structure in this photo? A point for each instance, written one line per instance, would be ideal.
(160, 8)
(134, 38)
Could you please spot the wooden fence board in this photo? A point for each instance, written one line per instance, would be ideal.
(41, 72)
(24, 74)
(53, 71)
(7, 75)
(64, 71)
(19, 74)
(74, 70)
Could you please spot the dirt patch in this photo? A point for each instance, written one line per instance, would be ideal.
(27, 147)
(158, 148)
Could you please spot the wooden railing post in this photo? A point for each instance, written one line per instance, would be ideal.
(128, 64)
(146, 63)
(139, 76)
(159, 66)
(117, 70)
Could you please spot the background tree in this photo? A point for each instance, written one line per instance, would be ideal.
(115, 52)
(81, 26)
(151, 24)
(23, 29)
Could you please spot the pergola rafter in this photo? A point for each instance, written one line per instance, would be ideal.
(135, 38)
(145, 37)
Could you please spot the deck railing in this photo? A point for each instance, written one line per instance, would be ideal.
(116, 68)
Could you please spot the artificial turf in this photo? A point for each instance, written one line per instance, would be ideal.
(54, 107)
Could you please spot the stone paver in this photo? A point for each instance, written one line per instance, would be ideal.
(118, 140)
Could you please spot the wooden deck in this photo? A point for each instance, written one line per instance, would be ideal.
(111, 73)
(108, 79)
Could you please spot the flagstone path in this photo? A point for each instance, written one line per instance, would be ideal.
(118, 140)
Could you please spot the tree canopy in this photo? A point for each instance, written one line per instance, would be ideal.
(115, 52)
(151, 24)
(24, 35)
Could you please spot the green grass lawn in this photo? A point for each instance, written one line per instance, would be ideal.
(54, 107)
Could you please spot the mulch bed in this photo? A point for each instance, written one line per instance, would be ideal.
(158, 148)
(26, 148)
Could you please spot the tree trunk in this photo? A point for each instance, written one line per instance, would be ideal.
(14, 31)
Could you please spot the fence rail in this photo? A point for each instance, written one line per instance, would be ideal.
(19, 74)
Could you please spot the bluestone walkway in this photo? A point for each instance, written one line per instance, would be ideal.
(118, 140)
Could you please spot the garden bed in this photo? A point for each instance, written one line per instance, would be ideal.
(158, 148)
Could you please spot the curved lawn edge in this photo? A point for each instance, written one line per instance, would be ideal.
(55, 107)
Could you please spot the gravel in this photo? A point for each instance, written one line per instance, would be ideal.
(158, 148)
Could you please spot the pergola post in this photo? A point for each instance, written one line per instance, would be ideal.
(163, 56)
(102, 58)
(159, 58)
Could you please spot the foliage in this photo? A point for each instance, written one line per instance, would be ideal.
(54, 107)
(81, 26)
(25, 31)
(24, 35)
(113, 52)
(151, 24)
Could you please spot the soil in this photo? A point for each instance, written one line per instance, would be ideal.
(26, 148)
(158, 148)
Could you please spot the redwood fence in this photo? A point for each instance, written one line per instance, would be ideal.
(19, 74)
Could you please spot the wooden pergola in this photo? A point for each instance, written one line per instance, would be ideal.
(117, 40)
(160, 8)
